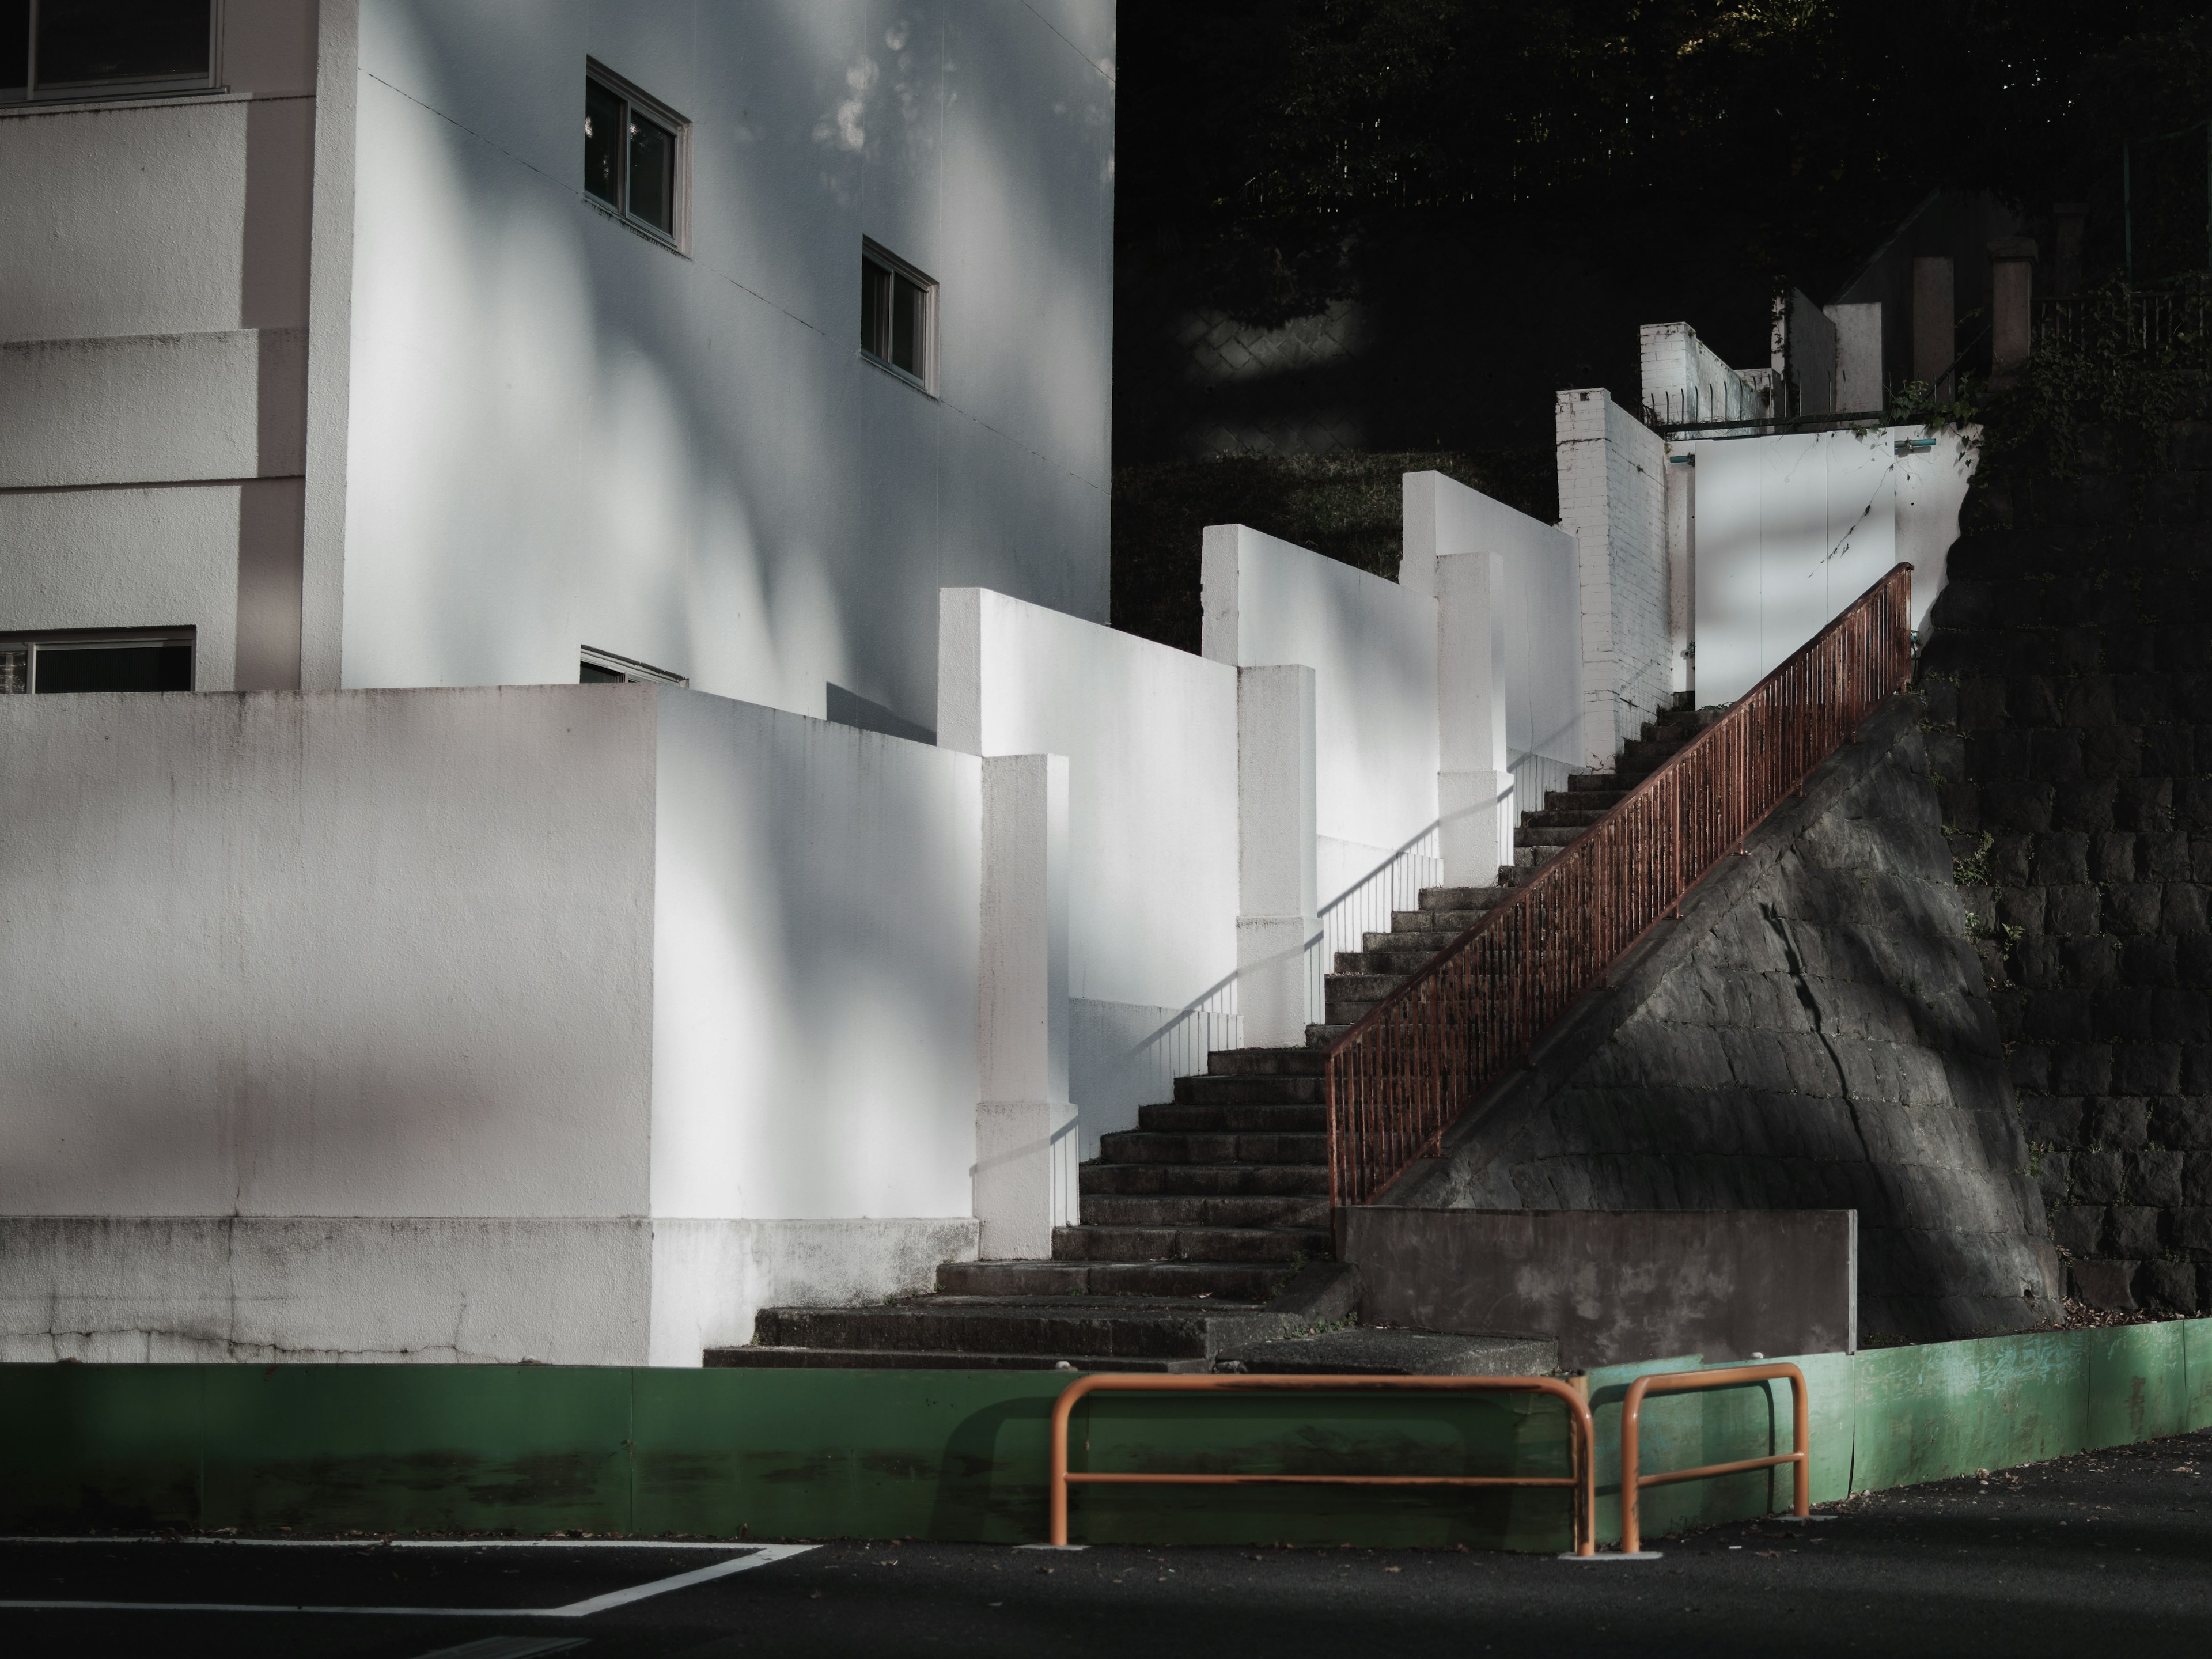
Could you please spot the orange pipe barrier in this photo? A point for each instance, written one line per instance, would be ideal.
(1632, 1478)
(1582, 1439)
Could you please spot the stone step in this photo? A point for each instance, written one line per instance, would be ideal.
(1393, 962)
(1450, 923)
(1075, 1327)
(755, 1357)
(1263, 1063)
(1183, 1117)
(1132, 1210)
(1231, 1281)
(1289, 1245)
(1430, 943)
(1261, 1091)
(1360, 988)
(1538, 835)
(1144, 1146)
(1453, 898)
(1102, 1179)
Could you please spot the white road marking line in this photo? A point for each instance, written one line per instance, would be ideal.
(380, 1541)
(760, 1556)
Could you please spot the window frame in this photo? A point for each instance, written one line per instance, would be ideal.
(79, 91)
(633, 671)
(632, 96)
(874, 253)
(31, 642)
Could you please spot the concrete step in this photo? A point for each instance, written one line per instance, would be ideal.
(1289, 1245)
(1179, 1118)
(1230, 1281)
(1320, 1036)
(1415, 939)
(1593, 783)
(1261, 1090)
(1539, 835)
(1075, 1327)
(1263, 1063)
(1534, 858)
(1453, 898)
(1102, 1179)
(1450, 923)
(1360, 988)
(1132, 1210)
(755, 1358)
(1565, 817)
(1393, 962)
(1575, 801)
(1145, 1147)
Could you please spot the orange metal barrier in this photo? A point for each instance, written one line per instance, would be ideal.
(1581, 1438)
(1632, 1478)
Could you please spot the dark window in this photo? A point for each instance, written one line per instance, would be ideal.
(107, 662)
(74, 48)
(632, 155)
(897, 316)
(599, 667)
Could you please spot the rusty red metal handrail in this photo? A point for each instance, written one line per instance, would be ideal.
(1399, 1076)
(1632, 1478)
(1582, 1438)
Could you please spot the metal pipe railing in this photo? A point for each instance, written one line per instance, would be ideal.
(1399, 1076)
(1632, 1478)
(1582, 1478)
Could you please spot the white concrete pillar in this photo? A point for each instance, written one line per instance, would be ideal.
(1276, 818)
(1859, 384)
(1474, 785)
(1026, 1146)
(1682, 573)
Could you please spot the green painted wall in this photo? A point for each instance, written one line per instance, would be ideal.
(961, 1455)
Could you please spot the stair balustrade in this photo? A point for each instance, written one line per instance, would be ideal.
(1404, 1074)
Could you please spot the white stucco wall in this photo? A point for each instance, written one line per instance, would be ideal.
(815, 913)
(1790, 529)
(554, 1022)
(561, 433)
(1150, 736)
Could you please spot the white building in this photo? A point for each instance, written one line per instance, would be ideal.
(321, 352)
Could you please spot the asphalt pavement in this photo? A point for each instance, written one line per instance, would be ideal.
(2104, 1551)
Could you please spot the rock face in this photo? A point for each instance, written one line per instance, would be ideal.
(1813, 1034)
(2069, 670)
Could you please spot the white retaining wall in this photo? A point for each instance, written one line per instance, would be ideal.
(1149, 734)
(562, 1023)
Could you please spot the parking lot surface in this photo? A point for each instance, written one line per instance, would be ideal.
(2107, 1551)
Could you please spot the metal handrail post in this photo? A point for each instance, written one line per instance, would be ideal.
(1633, 1479)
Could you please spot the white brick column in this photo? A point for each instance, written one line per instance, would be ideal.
(1613, 501)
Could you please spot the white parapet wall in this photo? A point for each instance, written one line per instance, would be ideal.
(1509, 663)
(1149, 734)
(562, 1023)
(1371, 644)
(1790, 528)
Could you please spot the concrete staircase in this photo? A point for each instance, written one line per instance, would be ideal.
(1204, 1232)
(1363, 978)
